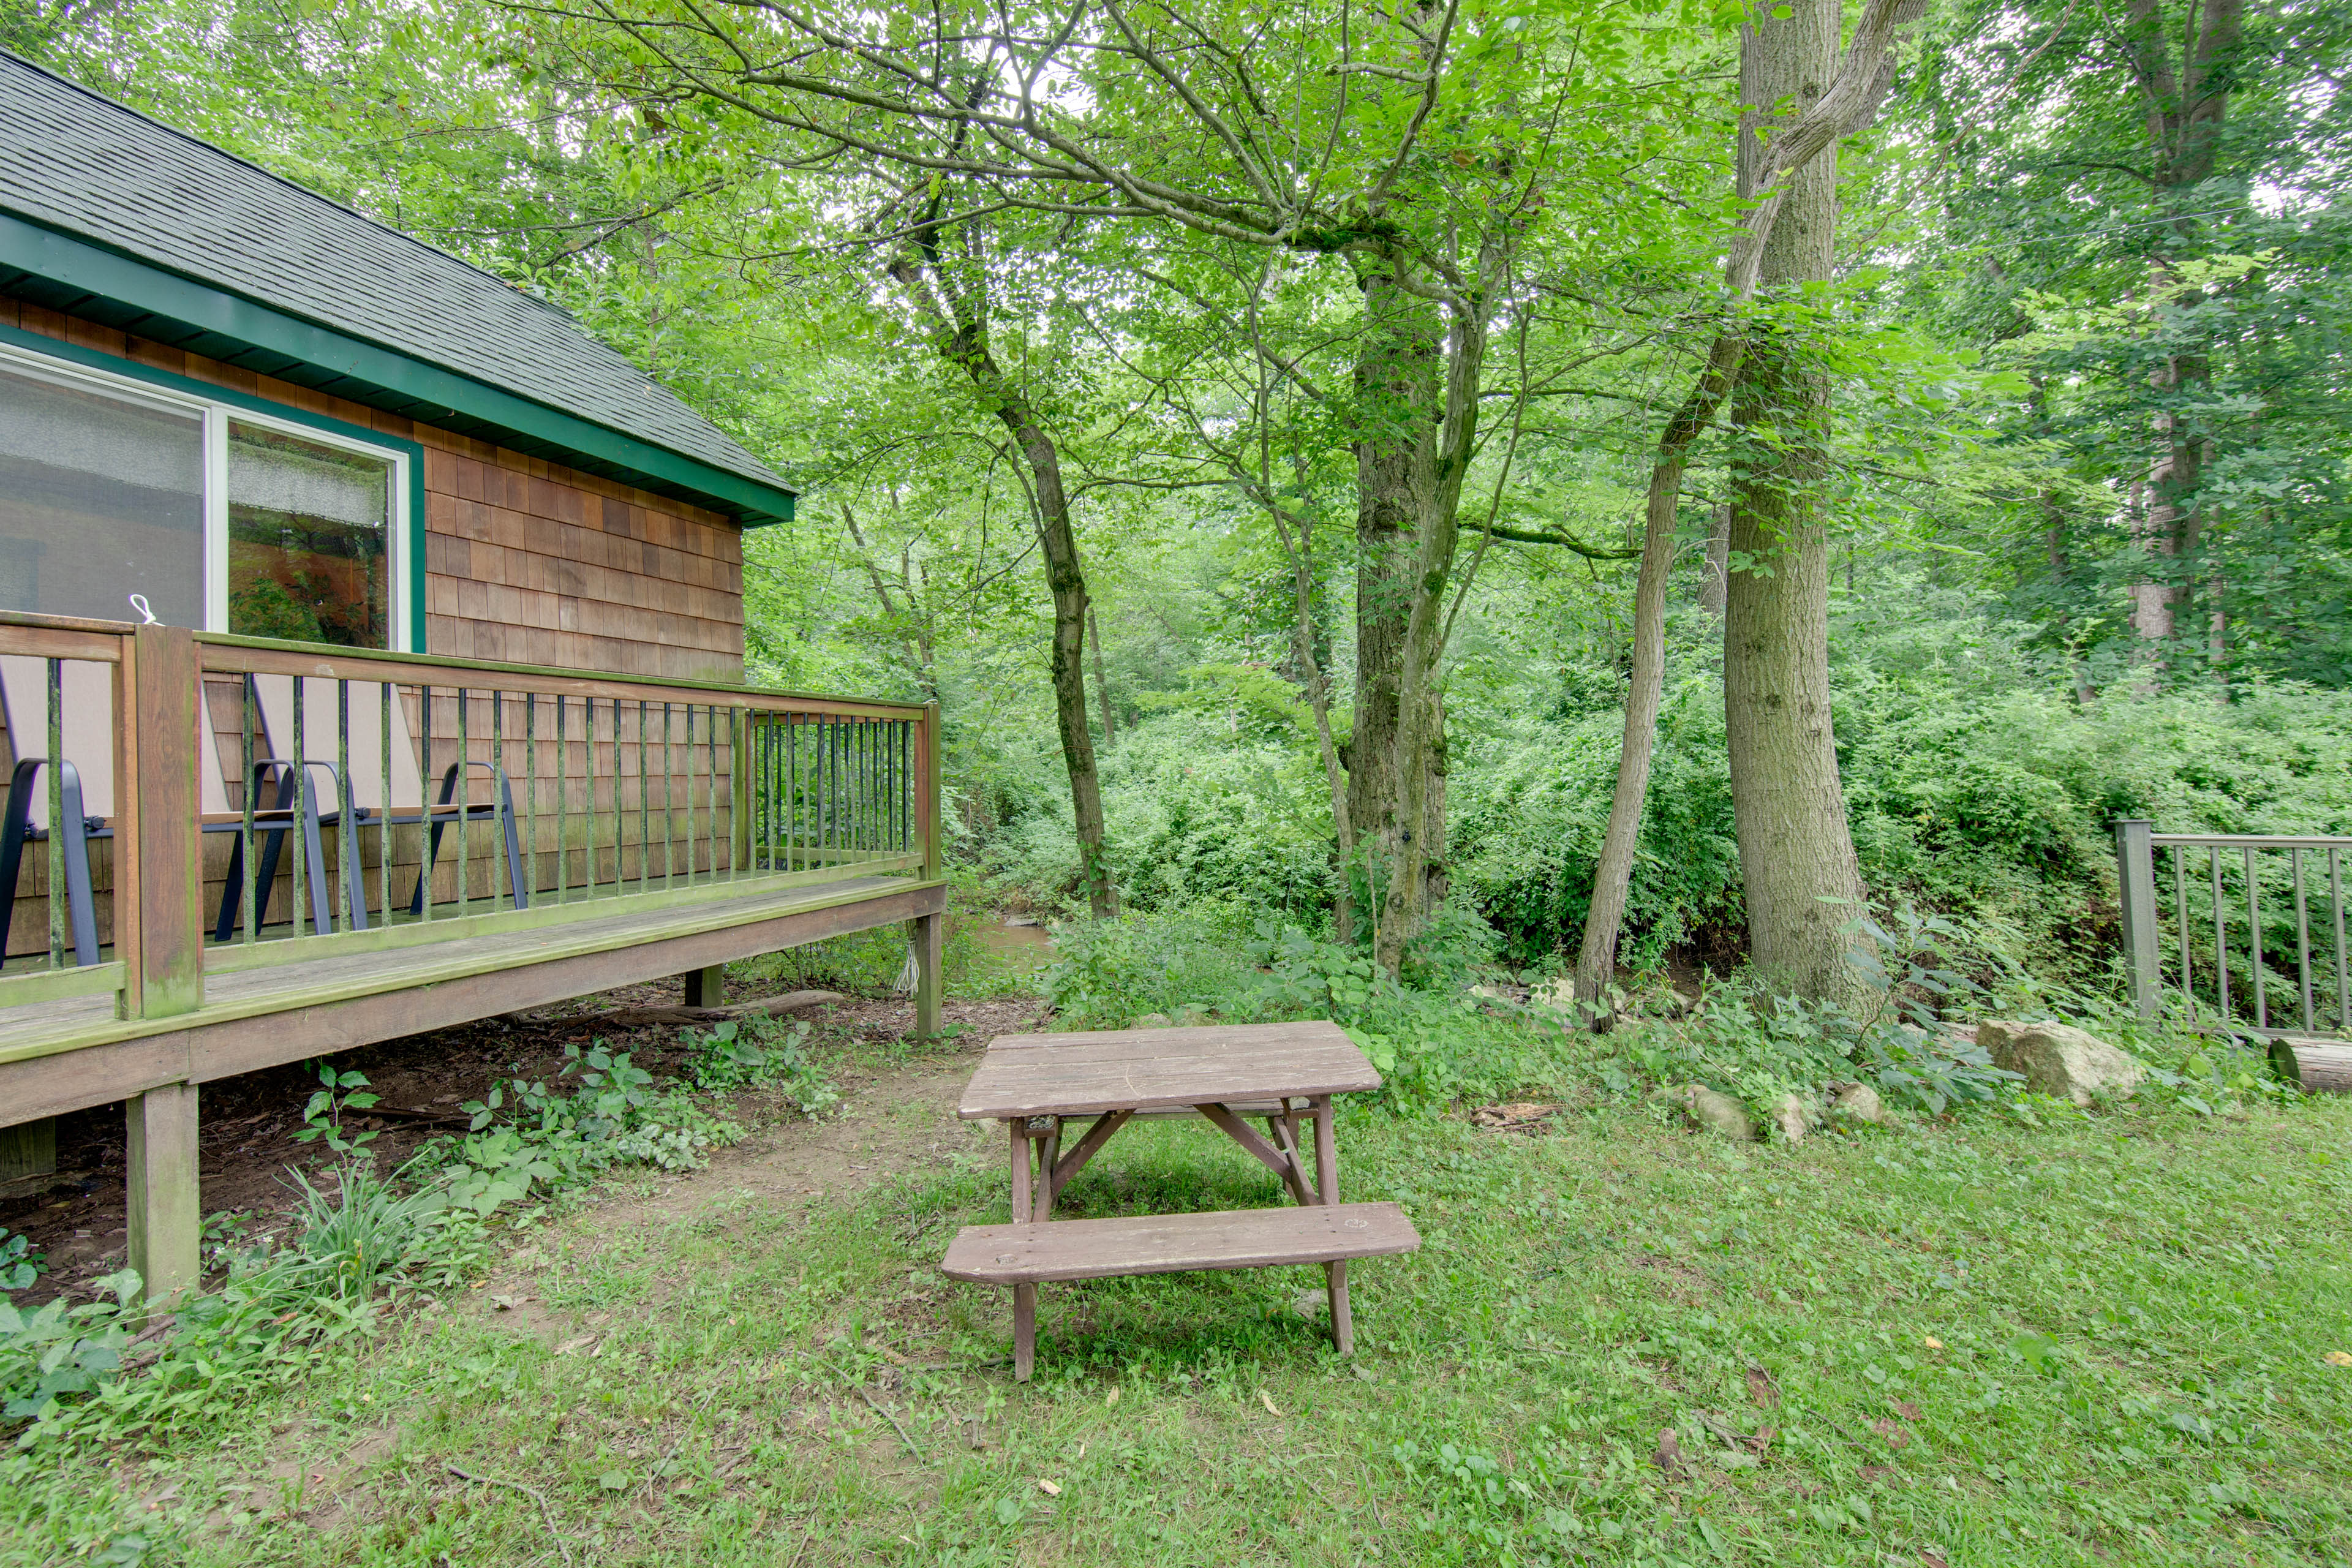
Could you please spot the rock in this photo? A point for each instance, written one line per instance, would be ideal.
(1488, 994)
(2060, 1059)
(1152, 1021)
(1557, 994)
(1860, 1102)
(1190, 1014)
(1716, 1112)
(1518, 1116)
(1794, 1116)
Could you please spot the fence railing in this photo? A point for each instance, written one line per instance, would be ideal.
(2247, 930)
(182, 804)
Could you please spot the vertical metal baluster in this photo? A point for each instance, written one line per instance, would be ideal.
(2335, 903)
(787, 803)
(669, 776)
(530, 788)
(906, 787)
(346, 807)
(2180, 922)
(2254, 943)
(644, 810)
(2302, 940)
(693, 834)
(620, 808)
(386, 694)
(710, 780)
(248, 867)
(465, 793)
(2220, 932)
(55, 679)
(497, 762)
(430, 783)
(297, 893)
(563, 805)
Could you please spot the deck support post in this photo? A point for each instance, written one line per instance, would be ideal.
(706, 987)
(162, 1193)
(929, 934)
(28, 1152)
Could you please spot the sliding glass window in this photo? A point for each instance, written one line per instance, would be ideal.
(216, 517)
(101, 497)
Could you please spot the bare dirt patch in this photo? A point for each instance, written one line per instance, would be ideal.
(249, 1122)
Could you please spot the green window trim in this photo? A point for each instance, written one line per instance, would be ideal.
(94, 270)
(413, 529)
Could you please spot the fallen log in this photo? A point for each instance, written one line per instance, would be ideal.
(768, 1006)
(2317, 1067)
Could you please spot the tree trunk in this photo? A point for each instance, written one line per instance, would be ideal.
(1789, 811)
(1596, 963)
(1716, 572)
(1396, 402)
(1102, 681)
(1439, 469)
(963, 340)
(2186, 109)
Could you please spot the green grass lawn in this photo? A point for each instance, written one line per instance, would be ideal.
(2102, 1340)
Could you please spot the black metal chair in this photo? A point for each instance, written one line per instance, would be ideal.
(273, 825)
(445, 813)
(17, 830)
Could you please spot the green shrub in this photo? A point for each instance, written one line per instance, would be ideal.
(1106, 973)
(757, 1052)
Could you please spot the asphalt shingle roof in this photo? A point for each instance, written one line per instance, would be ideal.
(83, 164)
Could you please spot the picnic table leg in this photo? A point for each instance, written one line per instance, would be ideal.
(1326, 1185)
(1025, 1201)
(1025, 1332)
(1049, 1149)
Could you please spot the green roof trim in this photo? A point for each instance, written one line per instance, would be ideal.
(416, 389)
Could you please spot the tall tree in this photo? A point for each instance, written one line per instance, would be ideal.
(1766, 165)
(1797, 865)
(1421, 149)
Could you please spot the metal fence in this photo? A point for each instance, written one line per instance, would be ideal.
(2246, 930)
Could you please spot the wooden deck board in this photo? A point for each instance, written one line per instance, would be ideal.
(62, 1055)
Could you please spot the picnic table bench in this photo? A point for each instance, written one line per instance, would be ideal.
(1283, 1073)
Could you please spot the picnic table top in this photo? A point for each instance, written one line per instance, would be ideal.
(1082, 1074)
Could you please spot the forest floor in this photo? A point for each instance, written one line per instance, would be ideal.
(2099, 1339)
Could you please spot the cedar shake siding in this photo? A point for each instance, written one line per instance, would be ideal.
(525, 561)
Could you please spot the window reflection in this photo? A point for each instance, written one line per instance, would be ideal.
(308, 525)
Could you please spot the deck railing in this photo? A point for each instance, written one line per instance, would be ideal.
(244, 802)
(2248, 930)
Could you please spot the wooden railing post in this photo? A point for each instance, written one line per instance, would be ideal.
(158, 865)
(930, 930)
(2135, 885)
(927, 796)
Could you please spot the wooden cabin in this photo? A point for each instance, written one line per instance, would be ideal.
(371, 653)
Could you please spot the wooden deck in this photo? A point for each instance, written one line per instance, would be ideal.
(66, 1055)
(461, 840)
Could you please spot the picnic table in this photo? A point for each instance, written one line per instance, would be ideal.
(1284, 1073)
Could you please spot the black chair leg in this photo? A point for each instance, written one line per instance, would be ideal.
(512, 845)
(15, 830)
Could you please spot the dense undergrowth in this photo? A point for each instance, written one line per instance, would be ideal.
(1975, 784)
